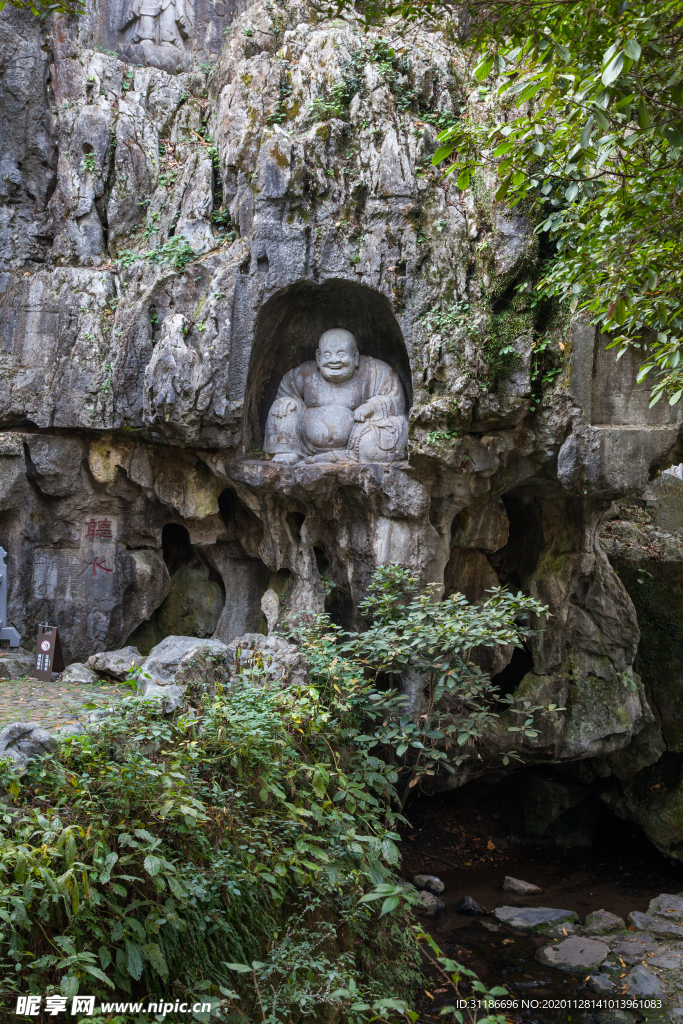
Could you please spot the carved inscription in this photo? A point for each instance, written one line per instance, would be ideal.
(71, 575)
(56, 573)
(669, 507)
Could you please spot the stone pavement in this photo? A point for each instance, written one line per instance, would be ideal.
(53, 704)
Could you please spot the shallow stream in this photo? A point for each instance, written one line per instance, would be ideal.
(620, 872)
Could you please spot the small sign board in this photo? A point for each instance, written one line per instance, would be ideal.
(49, 657)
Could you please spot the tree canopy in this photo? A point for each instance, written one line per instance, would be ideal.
(589, 139)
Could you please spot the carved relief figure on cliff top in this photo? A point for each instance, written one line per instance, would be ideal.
(344, 407)
(156, 21)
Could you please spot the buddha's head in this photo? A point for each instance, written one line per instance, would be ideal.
(337, 356)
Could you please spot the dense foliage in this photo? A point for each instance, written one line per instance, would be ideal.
(587, 133)
(41, 9)
(237, 852)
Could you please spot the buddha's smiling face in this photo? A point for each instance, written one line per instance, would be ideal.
(337, 356)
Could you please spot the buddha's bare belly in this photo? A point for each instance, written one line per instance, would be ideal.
(328, 426)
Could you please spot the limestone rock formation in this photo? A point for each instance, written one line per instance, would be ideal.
(22, 741)
(189, 199)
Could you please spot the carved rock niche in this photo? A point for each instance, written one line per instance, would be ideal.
(297, 410)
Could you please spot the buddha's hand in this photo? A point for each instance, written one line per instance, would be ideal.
(364, 412)
(282, 407)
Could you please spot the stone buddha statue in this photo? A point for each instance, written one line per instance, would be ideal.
(344, 407)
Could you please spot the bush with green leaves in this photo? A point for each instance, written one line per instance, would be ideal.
(234, 853)
(413, 636)
(145, 858)
(176, 250)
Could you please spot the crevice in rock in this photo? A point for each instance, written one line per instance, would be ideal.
(515, 562)
(511, 676)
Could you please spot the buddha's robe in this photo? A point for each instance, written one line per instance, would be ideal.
(323, 422)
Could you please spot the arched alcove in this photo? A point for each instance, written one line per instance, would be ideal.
(289, 326)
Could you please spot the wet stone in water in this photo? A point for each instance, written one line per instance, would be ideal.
(430, 882)
(600, 922)
(534, 918)
(601, 983)
(644, 984)
(468, 906)
(521, 888)
(574, 954)
(632, 949)
(670, 907)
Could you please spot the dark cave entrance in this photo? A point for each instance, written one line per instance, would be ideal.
(196, 596)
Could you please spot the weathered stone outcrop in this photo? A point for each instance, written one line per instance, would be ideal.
(177, 233)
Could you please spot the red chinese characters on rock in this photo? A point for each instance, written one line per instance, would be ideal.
(99, 529)
(97, 566)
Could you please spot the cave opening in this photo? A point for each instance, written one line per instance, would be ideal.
(196, 594)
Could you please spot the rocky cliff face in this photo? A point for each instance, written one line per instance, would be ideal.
(189, 200)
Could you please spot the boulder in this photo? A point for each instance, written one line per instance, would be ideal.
(534, 918)
(204, 666)
(670, 907)
(430, 882)
(78, 673)
(600, 922)
(469, 906)
(22, 741)
(171, 696)
(15, 663)
(602, 984)
(655, 925)
(428, 904)
(114, 663)
(521, 888)
(577, 953)
(64, 732)
(163, 661)
(283, 661)
(643, 983)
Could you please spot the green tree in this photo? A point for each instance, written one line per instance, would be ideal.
(413, 639)
(41, 9)
(589, 139)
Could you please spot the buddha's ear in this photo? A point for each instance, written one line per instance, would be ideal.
(357, 357)
(317, 356)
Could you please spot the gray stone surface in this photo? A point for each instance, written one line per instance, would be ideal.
(534, 918)
(430, 882)
(163, 661)
(428, 904)
(283, 663)
(601, 983)
(15, 663)
(667, 906)
(577, 953)
(601, 922)
(655, 925)
(115, 663)
(520, 887)
(643, 983)
(204, 666)
(78, 673)
(135, 390)
(170, 695)
(23, 741)
(633, 948)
